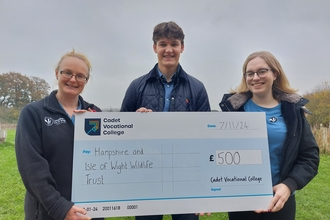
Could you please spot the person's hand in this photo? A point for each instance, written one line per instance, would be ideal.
(143, 109)
(76, 213)
(83, 110)
(203, 213)
(281, 195)
(260, 211)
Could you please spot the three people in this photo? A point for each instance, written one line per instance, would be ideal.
(44, 143)
(167, 87)
(294, 154)
(45, 131)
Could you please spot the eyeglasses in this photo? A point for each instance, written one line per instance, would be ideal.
(261, 73)
(69, 75)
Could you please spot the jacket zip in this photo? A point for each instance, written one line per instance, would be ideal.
(37, 210)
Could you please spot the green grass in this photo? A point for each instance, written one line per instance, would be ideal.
(11, 187)
(312, 201)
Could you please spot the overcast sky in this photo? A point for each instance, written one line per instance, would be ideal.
(116, 35)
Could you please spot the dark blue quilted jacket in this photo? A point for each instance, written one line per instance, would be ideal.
(188, 94)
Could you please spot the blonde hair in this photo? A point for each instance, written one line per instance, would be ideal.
(281, 84)
(81, 56)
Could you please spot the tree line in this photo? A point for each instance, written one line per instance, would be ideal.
(17, 90)
(319, 105)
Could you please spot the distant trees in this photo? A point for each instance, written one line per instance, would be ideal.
(39, 88)
(319, 105)
(17, 90)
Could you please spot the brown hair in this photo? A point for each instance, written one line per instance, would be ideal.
(168, 30)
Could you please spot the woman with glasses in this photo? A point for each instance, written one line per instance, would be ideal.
(294, 154)
(44, 143)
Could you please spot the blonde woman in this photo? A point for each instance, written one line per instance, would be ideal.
(294, 154)
(44, 143)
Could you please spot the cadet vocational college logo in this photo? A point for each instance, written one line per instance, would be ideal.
(93, 126)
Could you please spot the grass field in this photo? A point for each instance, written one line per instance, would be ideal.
(312, 201)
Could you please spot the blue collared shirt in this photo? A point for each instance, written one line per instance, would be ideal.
(168, 86)
(72, 117)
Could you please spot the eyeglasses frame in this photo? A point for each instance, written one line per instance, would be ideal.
(73, 75)
(246, 76)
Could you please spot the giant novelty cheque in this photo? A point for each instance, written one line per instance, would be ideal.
(131, 164)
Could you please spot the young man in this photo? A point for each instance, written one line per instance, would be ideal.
(167, 87)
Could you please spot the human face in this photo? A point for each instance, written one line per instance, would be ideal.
(168, 52)
(71, 87)
(260, 86)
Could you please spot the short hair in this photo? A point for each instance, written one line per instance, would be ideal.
(168, 30)
(281, 84)
(80, 56)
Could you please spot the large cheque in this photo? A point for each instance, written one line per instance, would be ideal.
(130, 164)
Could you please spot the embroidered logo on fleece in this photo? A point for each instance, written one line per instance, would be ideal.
(49, 121)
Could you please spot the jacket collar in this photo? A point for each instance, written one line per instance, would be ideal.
(239, 99)
(52, 103)
(179, 74)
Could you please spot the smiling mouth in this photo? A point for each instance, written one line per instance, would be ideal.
(168, 56)
(257, 84)
(71, 86)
